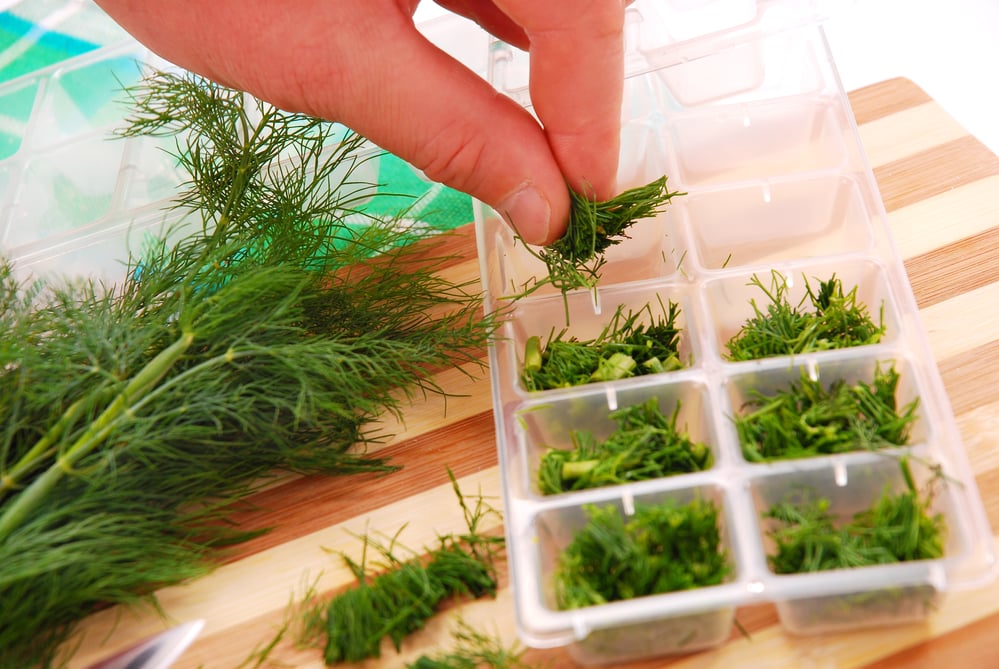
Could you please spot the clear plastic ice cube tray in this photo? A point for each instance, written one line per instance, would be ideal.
(751, 122)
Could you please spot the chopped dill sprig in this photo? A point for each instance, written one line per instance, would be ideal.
(662, 548)
(396, 597)
(575, 259)
(808, 419)
(626, 347)
(474, 650)
(646, 445)
(831, 319)
(899, 527)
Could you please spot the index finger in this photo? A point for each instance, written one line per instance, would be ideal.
(576, 84)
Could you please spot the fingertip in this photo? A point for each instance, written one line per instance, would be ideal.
(539, 218)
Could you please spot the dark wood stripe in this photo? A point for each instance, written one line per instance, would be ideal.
(884, 99)
(313, 503)
(954, 269)
(922, 175)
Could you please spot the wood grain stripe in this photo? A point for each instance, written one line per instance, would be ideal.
(934, 171)
(884, 99)
(959, 267)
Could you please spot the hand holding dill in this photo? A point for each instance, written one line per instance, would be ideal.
(575, 259)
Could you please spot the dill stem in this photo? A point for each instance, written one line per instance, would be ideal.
(96, 432)
(42, 448)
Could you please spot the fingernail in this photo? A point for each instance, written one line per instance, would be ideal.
(529, 212)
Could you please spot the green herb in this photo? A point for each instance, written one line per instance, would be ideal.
(626, 347)
(397, 597)
(827, 319)
(473, 650)
(899, 527)
(135, 415)
(808, 419)
(576, 259)
(662, 548)
(645, 445)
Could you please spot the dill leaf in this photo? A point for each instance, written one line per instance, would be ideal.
(662, 548)
(898, 527)
(808, 419)
(633, 343)
(828, 318)
(646, 445)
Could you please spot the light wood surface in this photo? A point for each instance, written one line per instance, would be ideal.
(939, 186)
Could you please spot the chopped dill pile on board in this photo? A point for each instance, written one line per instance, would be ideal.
(632, 344)
(809, 418)
(576, 259)
(898, 527)
(266, 332)
(662, 548)
(827, 318)
(645, 445)
(396, 596)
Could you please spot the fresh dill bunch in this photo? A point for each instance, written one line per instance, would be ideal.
(898, 527)
(137, 414)
(473, 650)
(825, 319)
(808, 419)
(645, 445)
(628, 346)
(662, 548)
(396, 597)
(575, 260)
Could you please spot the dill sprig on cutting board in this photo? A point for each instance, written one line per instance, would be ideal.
(627, 346)
(268, 334)
(809, 418)
(395, 596)
(645, 445)
(827, 318)
(898, 527)
(662, 548)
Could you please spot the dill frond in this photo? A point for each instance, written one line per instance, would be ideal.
(268, 336)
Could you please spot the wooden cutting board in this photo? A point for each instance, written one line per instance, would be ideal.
(937, 183)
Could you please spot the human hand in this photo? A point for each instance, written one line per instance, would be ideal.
(364, 64)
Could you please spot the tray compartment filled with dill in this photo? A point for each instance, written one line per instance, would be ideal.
(858, 544)
(801, 308)
(616, 554)
(792, 218)
(638, 433)
(628, 332)
(826, 407)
